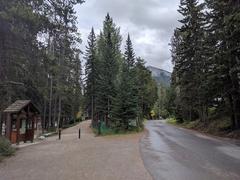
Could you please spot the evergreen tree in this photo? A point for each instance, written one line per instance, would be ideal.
(20, 23)
(146, 91)
(109, 55)
(91, 74)
(62, 50)
(33, 63)
(232, 28)
(129, 53)
(125, 104)
(224, 24)
(189, 58)
(205, 53)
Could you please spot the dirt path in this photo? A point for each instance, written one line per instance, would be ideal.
(91, 158)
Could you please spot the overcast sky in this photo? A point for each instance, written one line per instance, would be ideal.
(149, 22)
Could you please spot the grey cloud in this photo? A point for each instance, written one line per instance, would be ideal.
(150, 23)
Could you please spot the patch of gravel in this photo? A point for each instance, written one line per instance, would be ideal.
(90, 158)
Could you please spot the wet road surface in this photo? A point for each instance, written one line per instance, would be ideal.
(171, 153)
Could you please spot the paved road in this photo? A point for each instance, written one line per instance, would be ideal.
(172, 153)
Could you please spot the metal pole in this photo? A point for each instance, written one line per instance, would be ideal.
(59, 134)
(79, 133)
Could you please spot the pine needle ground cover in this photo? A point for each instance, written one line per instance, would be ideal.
(217, 127)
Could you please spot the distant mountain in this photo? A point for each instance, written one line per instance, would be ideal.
(161, 76)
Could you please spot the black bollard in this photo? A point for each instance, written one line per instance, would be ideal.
(79, 133)
(99, 127)
(59, 134)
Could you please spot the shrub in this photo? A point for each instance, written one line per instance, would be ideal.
(5, 147)
(172, 120)
(164, 113)
(212, 111)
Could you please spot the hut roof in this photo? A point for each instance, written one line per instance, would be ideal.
(18, 106)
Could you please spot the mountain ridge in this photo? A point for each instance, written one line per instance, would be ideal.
(161, 76)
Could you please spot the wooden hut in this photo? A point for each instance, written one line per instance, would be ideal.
(21, 120)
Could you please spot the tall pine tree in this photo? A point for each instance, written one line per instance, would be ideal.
(109, 56)
(91, 74)
(188, 62)
(125, 103)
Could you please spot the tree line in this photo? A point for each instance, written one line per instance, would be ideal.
(40, 61)
(39, 57)
(120, 91)
(205, 54)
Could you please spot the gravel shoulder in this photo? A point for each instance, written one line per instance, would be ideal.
(90, 158)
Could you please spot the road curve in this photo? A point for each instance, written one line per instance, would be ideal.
(171, 153)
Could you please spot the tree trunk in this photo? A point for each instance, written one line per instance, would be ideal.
(92, 112)
(108, 110)
(44, 115)
(59, 112)
(236, 109)
(73, 113)
(1, 119)
(232, 111)
(190, 114)
(50, 104)
(235, 98)
(55, 110)
(205, 114)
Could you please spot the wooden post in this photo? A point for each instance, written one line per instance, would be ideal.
(8, 126)
(26, 125)
(33, 120)
(18, 128)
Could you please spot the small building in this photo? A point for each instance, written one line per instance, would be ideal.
(21, 121)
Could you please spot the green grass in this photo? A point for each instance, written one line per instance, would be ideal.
(108, 132)
(190, 124)
(172, 121)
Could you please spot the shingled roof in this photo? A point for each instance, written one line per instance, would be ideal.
(18, 106)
